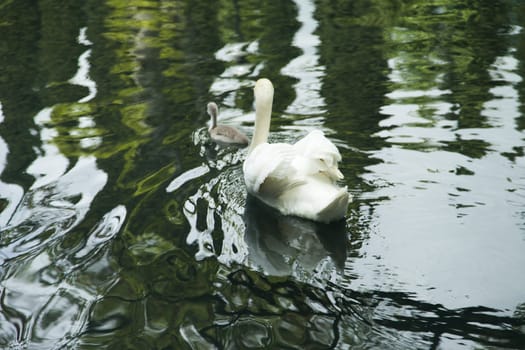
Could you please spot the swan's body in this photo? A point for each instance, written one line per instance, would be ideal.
(298, 179)
(224, 134)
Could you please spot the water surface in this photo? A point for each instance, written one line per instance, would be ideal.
(123, 226)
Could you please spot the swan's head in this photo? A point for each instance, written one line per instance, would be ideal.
(263, 91)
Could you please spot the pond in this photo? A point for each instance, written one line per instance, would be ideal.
(123, 227)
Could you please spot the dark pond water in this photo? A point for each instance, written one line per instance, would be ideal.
(123, 227)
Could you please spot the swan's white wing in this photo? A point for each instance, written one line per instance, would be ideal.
(316, 145)
(320, 155)
(268, 170)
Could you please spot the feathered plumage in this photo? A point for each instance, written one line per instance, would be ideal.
(297, 179)
(224, 134)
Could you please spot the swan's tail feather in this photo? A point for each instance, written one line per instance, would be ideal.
(337, 208)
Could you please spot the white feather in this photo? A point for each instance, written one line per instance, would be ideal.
(298, 179)
(320, 156)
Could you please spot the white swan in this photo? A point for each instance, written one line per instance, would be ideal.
(224, 134)
(298, 179)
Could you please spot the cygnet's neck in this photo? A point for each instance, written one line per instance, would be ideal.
(213, 111)
(263, 93)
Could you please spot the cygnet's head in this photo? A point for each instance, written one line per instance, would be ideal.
(213, 110)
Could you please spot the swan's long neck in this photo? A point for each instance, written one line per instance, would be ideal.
(213, 110)
(263, 111)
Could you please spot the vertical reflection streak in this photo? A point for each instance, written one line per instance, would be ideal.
(82, 78)
(305, 68)
(10, 193)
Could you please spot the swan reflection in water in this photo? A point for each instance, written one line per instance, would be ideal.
(286, 245)
(241, 229)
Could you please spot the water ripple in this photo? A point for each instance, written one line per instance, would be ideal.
(48, 212)
(107, 229)
(53, 292)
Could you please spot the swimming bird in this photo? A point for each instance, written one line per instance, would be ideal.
(224, 134)
(297, 179)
